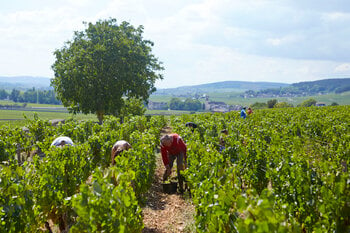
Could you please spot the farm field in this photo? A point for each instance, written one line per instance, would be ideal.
(281, 170)
(48, 112)
(29, 105)
(233, 98)
(167, 112)
(161, 98)
(16, 117)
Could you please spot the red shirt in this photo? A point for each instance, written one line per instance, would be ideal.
(175, 148)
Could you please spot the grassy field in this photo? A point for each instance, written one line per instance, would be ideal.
(10, 102)
(161, 98)
(168, 112)
(233, 98)
(49, 111)
(16, 117)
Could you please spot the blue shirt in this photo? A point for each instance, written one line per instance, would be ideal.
(243, 114)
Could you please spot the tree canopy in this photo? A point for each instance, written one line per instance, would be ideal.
(271, 103)
(188, 104)
(102, 65)
(308, 103)
(3, 94)
(283, 105)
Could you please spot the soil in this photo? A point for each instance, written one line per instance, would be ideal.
(167, 212)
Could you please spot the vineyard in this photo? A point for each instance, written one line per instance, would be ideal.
(74, 187)
(282, 170)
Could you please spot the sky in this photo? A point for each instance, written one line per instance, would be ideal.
(198, 41)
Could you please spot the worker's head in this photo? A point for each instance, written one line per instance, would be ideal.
(224, 131)
(189, 124)
(165, 140)
(62, 143)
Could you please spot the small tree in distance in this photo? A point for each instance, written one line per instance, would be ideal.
(258, 105)
(271, 103)
(308, 103)
(334, 104)
(283, 105)
(102, 65)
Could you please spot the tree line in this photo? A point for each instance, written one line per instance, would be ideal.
(30, 96)
(189, 104)
(326, 86)
(273, 103)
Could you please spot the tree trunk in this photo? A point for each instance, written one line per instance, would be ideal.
(100, 116)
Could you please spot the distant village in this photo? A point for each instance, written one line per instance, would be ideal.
(208, 106)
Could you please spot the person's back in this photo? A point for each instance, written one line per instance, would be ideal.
(222, 139)
(119, 147)
(173, 148)
(174, 145)
(62, 141)
(249, 111)
(243, 113)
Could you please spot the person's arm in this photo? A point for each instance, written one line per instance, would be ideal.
(164, 153)
(113, 155)
(165, 159)
(182, 146)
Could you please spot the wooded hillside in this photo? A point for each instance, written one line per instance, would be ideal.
(325, 86)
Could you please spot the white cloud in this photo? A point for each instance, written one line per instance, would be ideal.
(336, 16)
(199, 41)
(29, 38)
(213, 64)
(345, 67)
(289, 39)
(80, 3)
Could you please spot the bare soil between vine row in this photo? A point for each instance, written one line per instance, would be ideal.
(166, 212)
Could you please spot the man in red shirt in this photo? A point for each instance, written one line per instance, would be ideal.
(173, 147)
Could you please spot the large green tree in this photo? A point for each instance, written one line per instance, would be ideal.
(104, 65)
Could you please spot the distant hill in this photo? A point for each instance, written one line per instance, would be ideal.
(226, 86)
(24, 82)
(250, 89)
(325, 86)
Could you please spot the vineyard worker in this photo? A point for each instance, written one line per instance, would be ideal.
(62, 141)
(243, 113)
(173, 147)
(250, 111)
(118, 148)
(223, 140)
(191, 125)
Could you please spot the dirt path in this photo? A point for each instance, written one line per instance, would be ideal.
(166, 212)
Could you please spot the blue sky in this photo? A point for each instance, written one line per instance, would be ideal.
(199, 41)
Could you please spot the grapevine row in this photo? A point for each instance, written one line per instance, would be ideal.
(75, 188)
